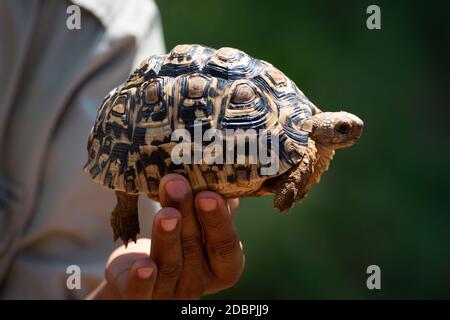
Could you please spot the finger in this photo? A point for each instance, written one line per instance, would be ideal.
(221, 238)
(120, 264)
(233, 206)
(141, 280)
(166, 251)
(175, 191)
(130, 274)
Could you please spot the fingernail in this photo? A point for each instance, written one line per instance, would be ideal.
(176, 189)
(145, 273)
(169, 224)
(207, 204)
(228, 208)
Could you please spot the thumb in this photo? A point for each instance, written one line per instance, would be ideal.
(131, 272)
(141, 280)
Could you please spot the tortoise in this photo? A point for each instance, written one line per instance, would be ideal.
(196, 87)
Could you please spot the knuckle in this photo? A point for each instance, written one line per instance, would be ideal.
(191, 246)
(170, 241)
(224, 248)
(212, 221)
(169, 272)
(168, 212)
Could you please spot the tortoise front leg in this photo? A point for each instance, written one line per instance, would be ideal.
(124, 218)
(294, 185)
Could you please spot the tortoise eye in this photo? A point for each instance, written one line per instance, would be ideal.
(343, 128)
(151, 93)
(243, 94)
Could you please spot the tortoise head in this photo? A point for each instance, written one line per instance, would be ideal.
(336, 129)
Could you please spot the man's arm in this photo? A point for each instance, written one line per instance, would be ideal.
(52, 215)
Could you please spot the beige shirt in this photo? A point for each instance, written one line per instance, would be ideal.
(52, 80)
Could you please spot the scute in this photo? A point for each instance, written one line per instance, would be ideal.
(152, 93)
(248, 108)
(147, 69)
(277, 78)
(232, 64)
(243, 94)
(185, 59)
(196, 87)
(119, 106)
(193, 104)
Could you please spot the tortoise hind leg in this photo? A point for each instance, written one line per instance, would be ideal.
(124, 218)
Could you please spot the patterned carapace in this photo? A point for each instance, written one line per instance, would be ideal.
(129, 147)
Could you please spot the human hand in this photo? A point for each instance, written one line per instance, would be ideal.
(202, 254)
(194, 251)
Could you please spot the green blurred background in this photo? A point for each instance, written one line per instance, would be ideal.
(385, 201)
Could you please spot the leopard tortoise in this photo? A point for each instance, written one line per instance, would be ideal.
(195, 87)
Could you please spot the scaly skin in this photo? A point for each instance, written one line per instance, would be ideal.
(124, 218)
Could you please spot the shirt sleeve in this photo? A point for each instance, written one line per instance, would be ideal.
(61, 217)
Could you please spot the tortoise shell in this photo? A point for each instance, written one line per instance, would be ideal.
(196, 87)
